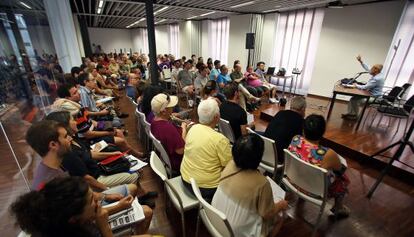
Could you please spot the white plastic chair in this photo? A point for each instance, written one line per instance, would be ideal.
(270, 157)
(214, 220)
(304, 179)
(226, 130)
(23, 234)
(180, 196)
(164, 155)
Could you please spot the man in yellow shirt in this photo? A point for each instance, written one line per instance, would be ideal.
(206, 151)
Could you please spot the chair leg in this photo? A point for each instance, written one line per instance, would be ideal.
(183, 223)
(319, 219)
(198, 222)
(398, 127)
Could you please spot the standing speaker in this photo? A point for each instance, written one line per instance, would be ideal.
(250, 41)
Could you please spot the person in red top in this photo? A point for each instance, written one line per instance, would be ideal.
(308, 149)
(171, 136)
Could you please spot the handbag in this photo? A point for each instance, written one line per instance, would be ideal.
(115, 164)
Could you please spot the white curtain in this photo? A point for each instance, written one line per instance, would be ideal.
(218, 39)
(140, 40)
(256, 26)
(296, 41)
(174, 40)
(399, 66)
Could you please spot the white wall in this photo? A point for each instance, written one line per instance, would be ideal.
(41, 39)
(111, 39)
(365, 29)
(239, 26)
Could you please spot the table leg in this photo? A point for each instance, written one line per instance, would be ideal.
(331, 105)
(362, 113)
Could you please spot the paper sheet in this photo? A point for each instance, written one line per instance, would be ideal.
(278, 192)
(99, 146)
(250, 118)
(141, 164)
(104, 100)
(123, 218)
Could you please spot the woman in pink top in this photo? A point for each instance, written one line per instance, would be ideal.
(254, 81)
(309, 149)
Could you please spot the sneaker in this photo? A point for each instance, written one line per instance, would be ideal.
(147, 202)
(341, 213)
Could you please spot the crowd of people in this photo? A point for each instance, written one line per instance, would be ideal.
(69, 182)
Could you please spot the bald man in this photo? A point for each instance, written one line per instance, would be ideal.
(374, 86)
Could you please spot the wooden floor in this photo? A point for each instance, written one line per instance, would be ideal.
(388, 213)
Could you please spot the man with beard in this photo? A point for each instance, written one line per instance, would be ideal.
(51, 141)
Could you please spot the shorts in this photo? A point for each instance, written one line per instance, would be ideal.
(120, 189)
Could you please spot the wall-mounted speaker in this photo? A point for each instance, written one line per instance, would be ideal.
(250, 41)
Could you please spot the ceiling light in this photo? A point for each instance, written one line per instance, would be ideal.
(138, 21)
(273, 10)
(100, 3)
(208, 13)
(160, 10)
(243, 4)
(160, 21)
(191, 17)
(24, 4)
(99, 10)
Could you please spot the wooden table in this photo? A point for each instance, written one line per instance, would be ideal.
(341, 90)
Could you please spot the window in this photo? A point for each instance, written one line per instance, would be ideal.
(297, 36)
(218, 39)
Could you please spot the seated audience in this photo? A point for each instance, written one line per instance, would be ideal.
(286, 124)
(206, 151)
(201, 79)
(170, 136)
(185, 78)
(308, 149)
(68, 100)
(254, 81)
(246, 92)
(244, 195)
(223, 78)
(145, 105)
(215, 71)
(67, 207)
(260, 72)
(210, 91)
(231, 111)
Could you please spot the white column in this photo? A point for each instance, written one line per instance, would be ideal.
(63, 31)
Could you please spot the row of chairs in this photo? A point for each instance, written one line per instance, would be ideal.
(295, 177)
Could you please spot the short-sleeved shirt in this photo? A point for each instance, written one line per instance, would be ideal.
(200, 82)
(236, 75)
(261, 74)
(235, 114)
(87, 100)
(215, 72)
(79, 161)
(252, 82)
(283, 126)
(170, 137)
(185, 77)
(44, 174)
(206, 153)
(223, 79)
(245, 197)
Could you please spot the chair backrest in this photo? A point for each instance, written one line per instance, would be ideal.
(270, 150)
(216, 220)
(406, 88)
(164, 155)
(226, 130)
(393, 94)
(409, 104)
(158, 166)
(305, 176)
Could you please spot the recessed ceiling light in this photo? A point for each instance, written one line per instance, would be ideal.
(191, 17)
(24, 4)
(160, 21)
(99, 10)
(100, 3)
(243, 4)
(208, 13)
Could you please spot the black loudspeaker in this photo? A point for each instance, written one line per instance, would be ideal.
(250, 41)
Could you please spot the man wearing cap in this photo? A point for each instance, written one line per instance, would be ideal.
(170, 136)
(185, 78)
